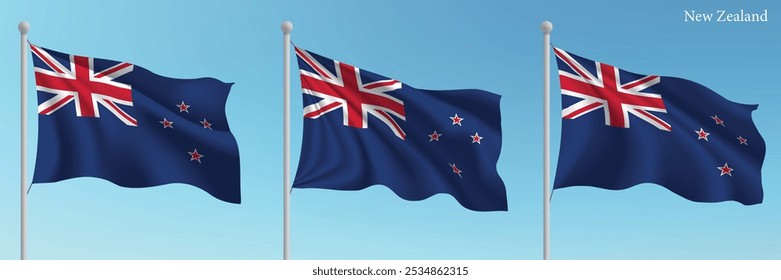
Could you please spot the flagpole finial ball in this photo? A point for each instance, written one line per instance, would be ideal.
(546, 27)
(287, 27)
(24, 27)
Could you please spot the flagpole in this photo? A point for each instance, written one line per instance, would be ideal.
(24, 27)
(286, 28)
(546, 27)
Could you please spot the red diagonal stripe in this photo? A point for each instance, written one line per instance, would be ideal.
(311, 63)
(122, 113)
(586, 108)
(571, 64)
(655, 119)
(639, 82)
(380, 84)
(113, 70)
(56, 106)
(323, 109)
(393, 122)
(46, 60)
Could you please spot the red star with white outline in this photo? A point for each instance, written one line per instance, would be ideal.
(718, 121)
(455, 169)
(701, 134)
(167, 124)
(183, 107)
(725, 170)
(456, 120)
(206, 124)
(434, 136)
(194, 155)
(476, 138)
(743, 141)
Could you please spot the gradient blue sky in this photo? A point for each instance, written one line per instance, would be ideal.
(490, 45)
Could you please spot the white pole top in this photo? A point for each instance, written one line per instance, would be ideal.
(546, 27)
(287, 27)
(24, 27)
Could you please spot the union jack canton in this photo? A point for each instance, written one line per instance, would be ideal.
(81, 84)
(605, 90)
(343, 88)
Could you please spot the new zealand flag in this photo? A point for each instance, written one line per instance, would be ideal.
(122, 123)
(620, 129)
(363, 129)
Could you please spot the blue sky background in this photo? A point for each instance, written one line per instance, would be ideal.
(490, 45)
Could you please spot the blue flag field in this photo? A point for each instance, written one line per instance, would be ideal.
(122, 123)
(363, 129)
(620, 129)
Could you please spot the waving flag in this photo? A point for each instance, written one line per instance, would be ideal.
(362, 129)
(122, 123)
(620, 129)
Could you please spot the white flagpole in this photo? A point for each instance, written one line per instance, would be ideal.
(24, 27)
(286, 28)
(546, 27)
